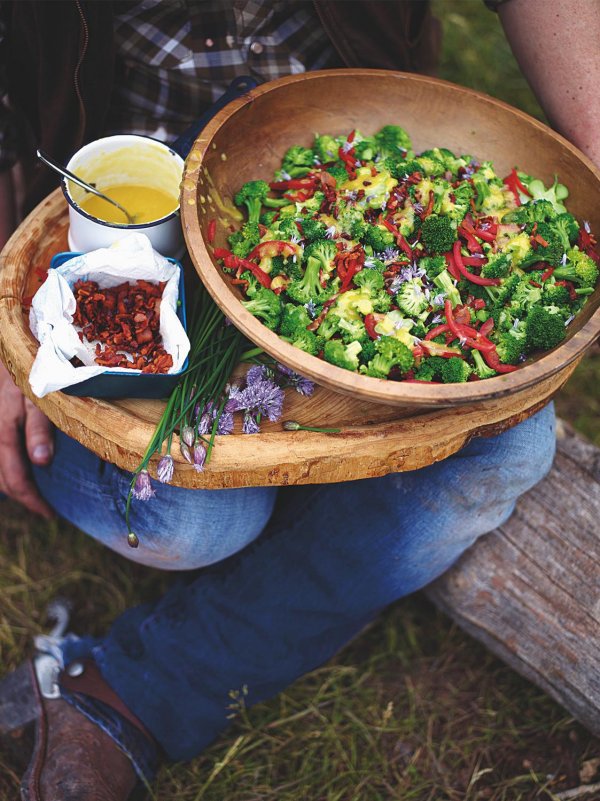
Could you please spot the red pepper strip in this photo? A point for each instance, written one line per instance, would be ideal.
(535, 283)
(351, 135)
(586, 242)
(486, 327)
(458, 329)
(478, 303)
(513, 182)
(260, 275)
(211, 231)
(452, 269)
(547, 273)
(349, 160)
(370, 324)
(418, 352)
(273, 247)
(472, 243)
(491, 359)
(473, 261)
(487, 236)
(476, 279)
(439, 329)
(353, 268)
(232, 262)
(294, 183)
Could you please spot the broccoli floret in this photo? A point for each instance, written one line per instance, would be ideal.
(553, 295)
(326, 148)
(379, 238)
(365, 149)
(533, 211)
(433, 265)
(481, 368)
(438, 234)
(430, 368)
(368, 349)
(389, 353)
(552, 251)
(351, 221)
(351, 329)
(330, 325)
(580, 268)
(567, 229)
(253, 195)
(446, 283)
(392, 140)
(313, 229)
(243, 241)
(346, 356)
(294, 320)
(544, 329)
(298, 161)
(411, 298)
(506, 290)
(498, 266)
(430, 165)
(525, 294)
(339, 173)
(324, 251)
(370, 279)
(455, 370)
(267, 218)
(457, 201)
(306, 341)
(253, 284)
(510, 348)
(286, 228)
(318, 255)
(265, 305)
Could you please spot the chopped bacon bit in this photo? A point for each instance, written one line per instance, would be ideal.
(124, 321)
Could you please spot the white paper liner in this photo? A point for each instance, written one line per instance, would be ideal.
(51, 317)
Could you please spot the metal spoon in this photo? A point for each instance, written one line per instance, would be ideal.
(88, 187)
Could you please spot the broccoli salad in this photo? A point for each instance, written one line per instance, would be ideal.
(427, 268)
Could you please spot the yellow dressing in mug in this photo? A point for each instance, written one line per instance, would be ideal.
(144, 203)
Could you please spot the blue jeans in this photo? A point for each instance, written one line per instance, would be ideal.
(327, 560)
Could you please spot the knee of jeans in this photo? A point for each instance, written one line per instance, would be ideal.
(203, 528)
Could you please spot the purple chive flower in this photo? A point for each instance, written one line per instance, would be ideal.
(142, 489)
(165, 469)
(263, 398)
(347, 146)
(311, 309)
(295, 380)
(250, 424)
(330, 232)
(199, 456)
(390, 254)
(185, 452)
(569, 320)
(439, 301)
(256, 373)
(586, 227)
(437, 318)
(187, 435)
(226, 422)
(395, 284)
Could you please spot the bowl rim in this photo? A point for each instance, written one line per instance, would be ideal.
(370, 389)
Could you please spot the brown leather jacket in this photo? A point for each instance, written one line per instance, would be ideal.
(61, 63)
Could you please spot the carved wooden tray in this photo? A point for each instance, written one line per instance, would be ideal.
(375, 439)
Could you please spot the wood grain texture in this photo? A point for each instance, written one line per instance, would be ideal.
(530, 591)
(248, 138)
(375, 439)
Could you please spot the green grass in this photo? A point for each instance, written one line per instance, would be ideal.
(413, 709)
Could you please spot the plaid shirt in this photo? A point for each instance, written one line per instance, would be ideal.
(175, 58)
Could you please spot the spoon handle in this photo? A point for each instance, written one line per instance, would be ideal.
(71, 177)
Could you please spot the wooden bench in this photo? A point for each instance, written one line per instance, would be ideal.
(530, 590)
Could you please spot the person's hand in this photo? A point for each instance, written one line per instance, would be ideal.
(25, 436)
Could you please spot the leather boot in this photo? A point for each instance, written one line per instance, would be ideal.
(73, 758)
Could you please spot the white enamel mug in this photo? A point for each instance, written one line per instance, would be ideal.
(124, 159)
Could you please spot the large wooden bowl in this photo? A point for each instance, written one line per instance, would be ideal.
(248, 138)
